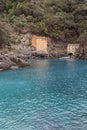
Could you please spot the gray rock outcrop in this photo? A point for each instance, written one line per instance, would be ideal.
(10, 62)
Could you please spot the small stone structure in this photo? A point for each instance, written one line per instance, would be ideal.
(40, 43)
(72, 48)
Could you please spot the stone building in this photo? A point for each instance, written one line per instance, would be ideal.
(72, 48)
(40, 43)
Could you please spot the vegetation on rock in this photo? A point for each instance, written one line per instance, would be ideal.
(63, 20)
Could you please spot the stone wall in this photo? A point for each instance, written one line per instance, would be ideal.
(40, 43)
(72, 48)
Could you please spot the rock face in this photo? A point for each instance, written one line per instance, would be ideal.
(10, 62)
(57, 49)
(19, 62)
(38, 46)
(81, 53)
(24, 39)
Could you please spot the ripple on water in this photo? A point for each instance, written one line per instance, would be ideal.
(50, 95)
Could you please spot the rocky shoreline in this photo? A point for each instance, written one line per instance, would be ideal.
(8, 61)
(14, 60)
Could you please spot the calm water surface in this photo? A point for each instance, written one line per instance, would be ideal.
(50, 95)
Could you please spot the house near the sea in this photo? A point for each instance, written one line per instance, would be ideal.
(40, 43)
(72, 48)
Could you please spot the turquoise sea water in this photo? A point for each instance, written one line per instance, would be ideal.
(49, 95)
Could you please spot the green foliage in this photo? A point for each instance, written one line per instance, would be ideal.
(54, 18)
(10, 7)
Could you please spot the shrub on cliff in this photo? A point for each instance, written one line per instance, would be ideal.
(54, 18)
(5, 38)
(2, 5)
